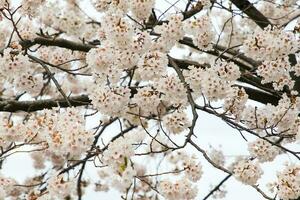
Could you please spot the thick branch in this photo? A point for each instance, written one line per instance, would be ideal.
(261, 96)
(252, 12)
(30, 106)
(195, 9)
(188, 42)
(75, 46)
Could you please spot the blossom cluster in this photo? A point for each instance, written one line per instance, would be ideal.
(270, 44)
(60, 136)
(247, 171)
(59, 188)
(235, 102)
(176, 122)
(181, 189)
(169, 33)
(276, 72)
(121, 169)
(105, 99)
(288, 183)
(217, 156)
(152, 65)
(275, 47)
(279, 14)
(125, 62)
(65, 132)
(201, 30)
(214, 82)
(192, 168)
(7, 188)
(263, 150)
(274, 120)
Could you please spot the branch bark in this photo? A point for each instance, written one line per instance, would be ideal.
(252, 12)
(261, 96)
(59, 42)
(30, 106)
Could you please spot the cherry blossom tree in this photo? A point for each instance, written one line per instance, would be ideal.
(142, 75)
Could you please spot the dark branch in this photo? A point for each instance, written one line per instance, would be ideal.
(153, 21)
(252, 12)
(75, 46)
(30, 106)
(261, 96)
(217, 187)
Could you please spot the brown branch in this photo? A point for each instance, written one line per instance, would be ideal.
(153, 21)
(216, 188)
(51, 75)
(193, 11)
(252, 12)
(30, 106)
(189, 97)
(75, 46)
(79, 181)
(237, 54)
(261, 96)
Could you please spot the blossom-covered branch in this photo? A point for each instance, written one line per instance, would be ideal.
(150, 97)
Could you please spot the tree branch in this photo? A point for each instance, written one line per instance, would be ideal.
(216, 188)
(252, 12)
(59, 42)
(30, 106)
(261, 96)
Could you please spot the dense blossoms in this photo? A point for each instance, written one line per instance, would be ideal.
(117, 157)
(54, 127)
(214, 82)
(105, 100)
(176, 122)
(270, 44)
(172, 89)
(147, 101)
(121, 89)
(181, 189)
(60, 188)
(201, 29)
(289, 183)
(152, 65)
(276, 71)
(264, 151)
(247, 171)
(142, 8)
